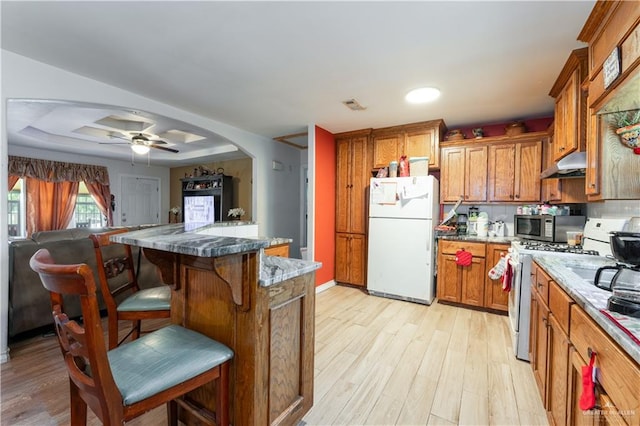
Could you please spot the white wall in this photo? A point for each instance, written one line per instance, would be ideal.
(275, 194)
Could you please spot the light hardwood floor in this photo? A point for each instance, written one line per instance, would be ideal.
(378, 362)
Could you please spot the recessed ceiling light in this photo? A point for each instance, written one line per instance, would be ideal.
(422, 95)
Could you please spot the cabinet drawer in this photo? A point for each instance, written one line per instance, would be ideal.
(451, 247)
(281, 250)
(542, 281)
(618, 374)
(560, 305)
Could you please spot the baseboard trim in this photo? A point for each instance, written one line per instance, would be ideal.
(325, 286)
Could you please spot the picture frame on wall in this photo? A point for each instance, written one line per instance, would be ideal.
(190, 185)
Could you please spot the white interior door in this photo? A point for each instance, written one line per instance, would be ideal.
(140, 202)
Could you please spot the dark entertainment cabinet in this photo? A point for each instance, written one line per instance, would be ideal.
(219, 186)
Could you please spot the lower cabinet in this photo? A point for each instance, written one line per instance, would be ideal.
(281, 250)
(471, 285)
(461, 284)
(494, 296)
(562, 337)
(538, 343)
(351, 250)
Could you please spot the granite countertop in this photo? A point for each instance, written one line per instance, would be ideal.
(591, 298)
(275, 269)
(175, 239)
(475, 238)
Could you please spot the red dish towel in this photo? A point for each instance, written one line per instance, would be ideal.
(464, 258)
(508, 275)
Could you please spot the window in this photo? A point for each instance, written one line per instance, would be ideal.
(87, 214)
(16, 210)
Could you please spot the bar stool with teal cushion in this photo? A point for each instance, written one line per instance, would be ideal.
(121, 291)
(123, 383)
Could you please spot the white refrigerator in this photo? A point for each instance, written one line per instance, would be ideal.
(402, 215)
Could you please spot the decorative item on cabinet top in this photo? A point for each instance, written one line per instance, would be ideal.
(515, 128)
(627, 125)
(455, 135)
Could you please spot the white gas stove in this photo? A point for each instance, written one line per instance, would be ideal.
(595, 242)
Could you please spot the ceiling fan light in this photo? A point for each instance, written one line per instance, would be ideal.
(422, 95)
(140, 149)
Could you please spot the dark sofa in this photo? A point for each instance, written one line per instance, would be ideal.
(29, 305)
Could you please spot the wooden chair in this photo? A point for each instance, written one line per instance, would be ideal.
(126, 301)
(123, 383)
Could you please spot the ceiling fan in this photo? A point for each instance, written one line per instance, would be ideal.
(140, 143)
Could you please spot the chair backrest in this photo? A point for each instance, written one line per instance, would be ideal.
(83, 346)
(116, 271)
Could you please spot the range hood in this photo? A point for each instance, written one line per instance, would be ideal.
(571, 166)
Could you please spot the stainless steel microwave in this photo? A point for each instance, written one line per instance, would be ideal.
(547, 228)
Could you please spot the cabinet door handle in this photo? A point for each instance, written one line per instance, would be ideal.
(517, 195)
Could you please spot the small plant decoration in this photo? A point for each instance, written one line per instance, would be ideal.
(627, 124)
(236, 212)
(625, 118)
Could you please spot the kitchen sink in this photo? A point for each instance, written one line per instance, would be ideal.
(589, 274)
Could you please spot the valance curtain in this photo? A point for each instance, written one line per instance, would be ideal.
(51, 206)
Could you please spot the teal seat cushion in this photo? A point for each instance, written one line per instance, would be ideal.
(162, 359)
(149, 299)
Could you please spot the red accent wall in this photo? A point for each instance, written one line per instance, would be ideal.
(325, 205)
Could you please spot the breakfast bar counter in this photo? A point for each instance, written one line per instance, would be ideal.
(260, 306)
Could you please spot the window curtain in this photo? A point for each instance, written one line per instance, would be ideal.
(50, 205)
(102, 196)
(95, 177)
(13, 179)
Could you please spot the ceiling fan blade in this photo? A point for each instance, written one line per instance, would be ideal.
(155, 142)
(114, 143)
(163, 148)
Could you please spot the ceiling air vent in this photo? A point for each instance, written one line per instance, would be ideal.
(354, 105)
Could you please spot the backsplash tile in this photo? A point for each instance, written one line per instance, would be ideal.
(614, 208)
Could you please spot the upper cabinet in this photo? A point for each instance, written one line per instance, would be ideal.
(499, 169)
(412, 140)
(570, 106)
(612, 28)
(463, 174)
(514, 171)
(352, 182)
(613, 34)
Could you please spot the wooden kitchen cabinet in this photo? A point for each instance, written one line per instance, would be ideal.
(561, 338)
(352, 182)
(559, 190)
(494, 296)
(538, 342)
(612, 25)
(570, 106)
(461, 284)
(351, 250)
(618, 375)
(411, 140)
(281, 250)
(463, 173)
(514, 171)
